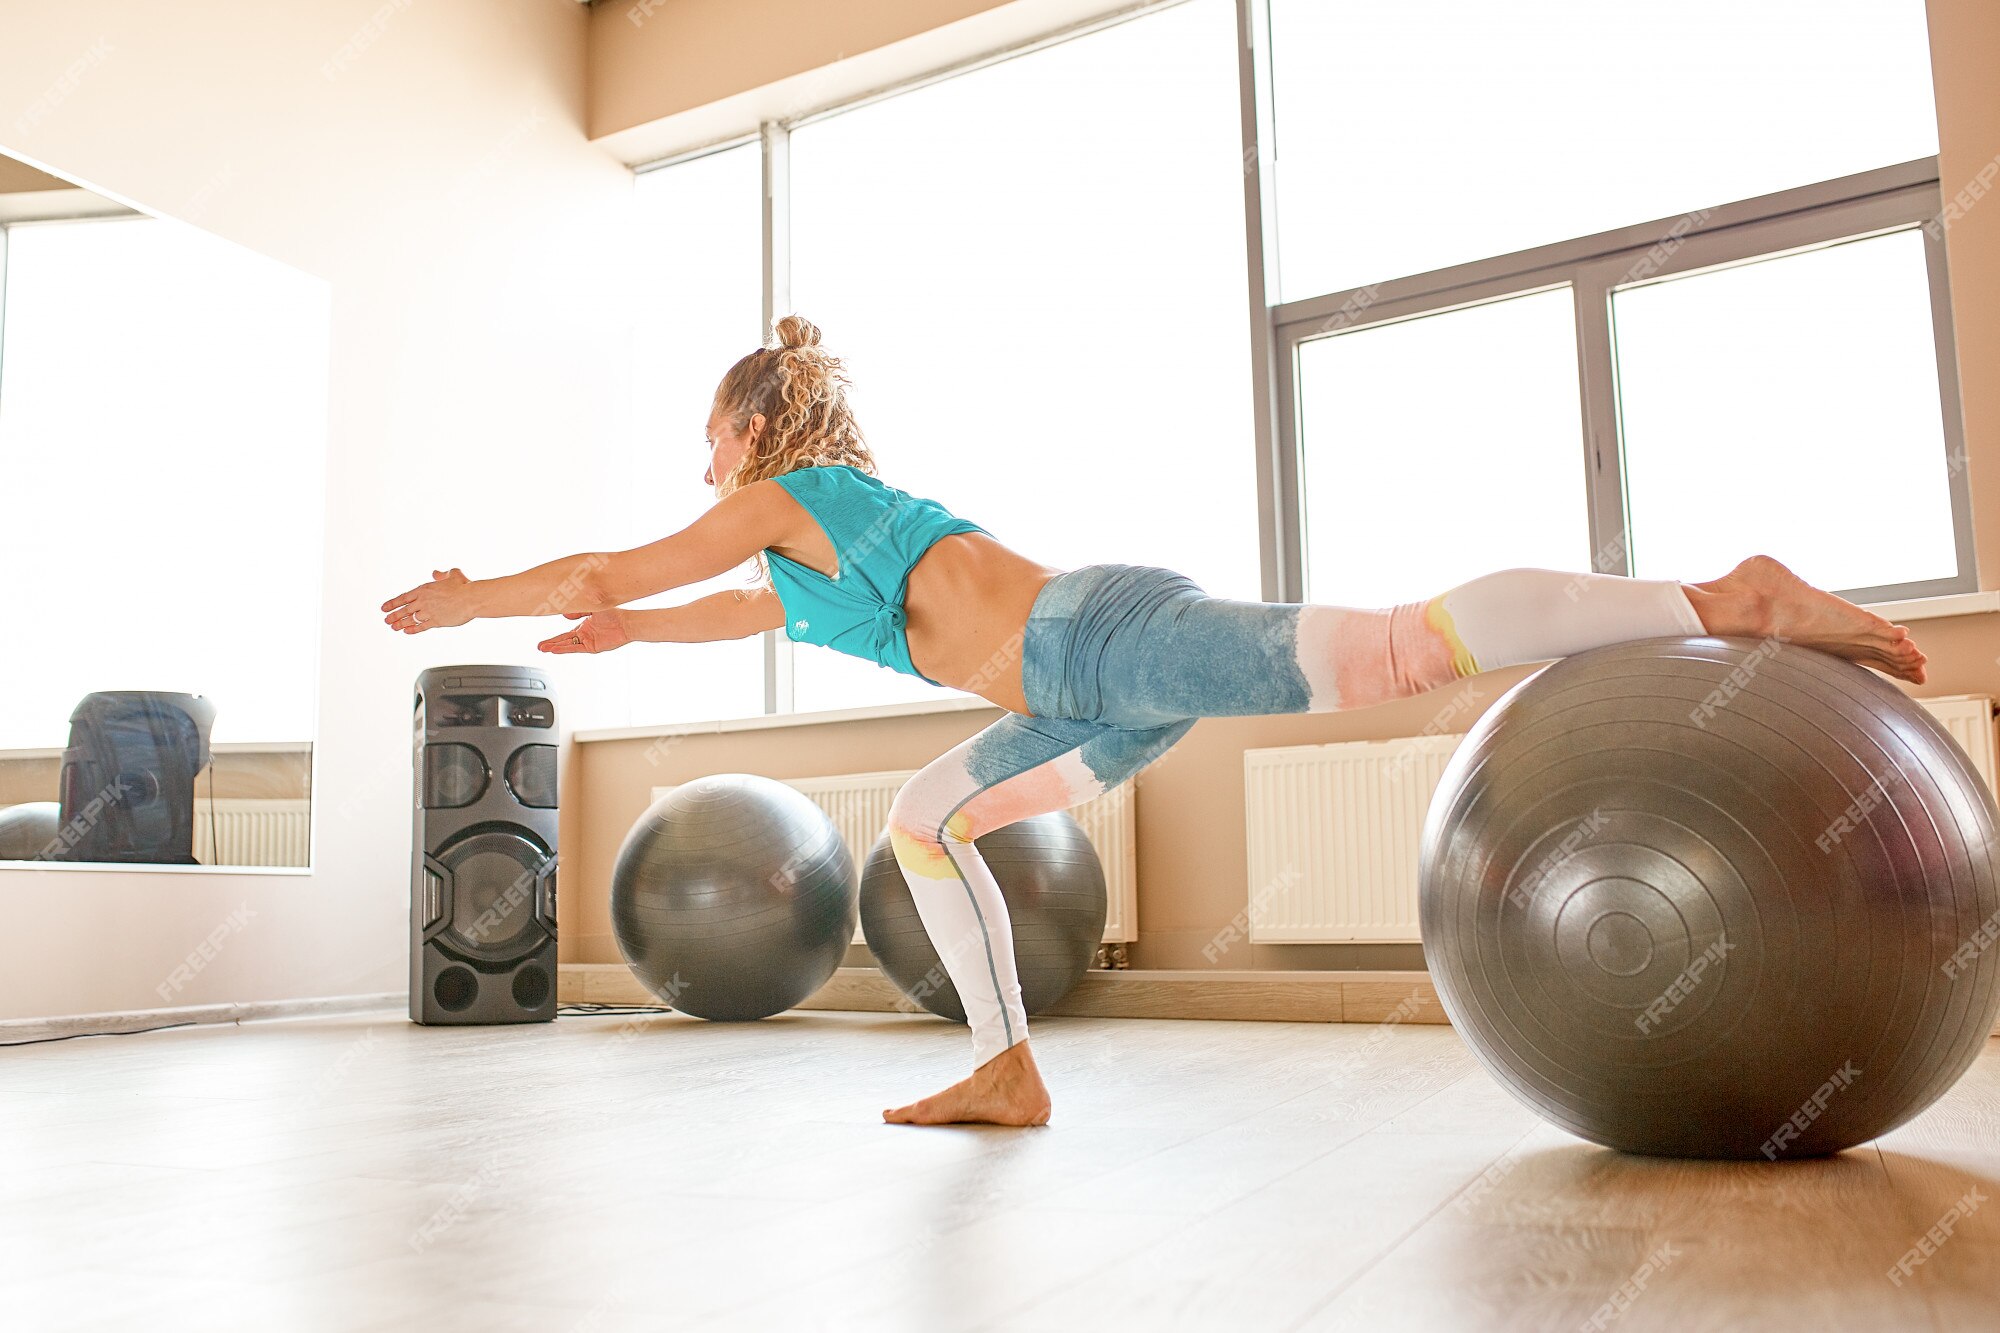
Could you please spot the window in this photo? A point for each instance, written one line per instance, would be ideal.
(1451, 485)
(1036, 273)
(1756, 373)
(698, 275)
(1788, 404)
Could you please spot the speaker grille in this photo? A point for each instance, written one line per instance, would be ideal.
(454, 775)
(531, 775)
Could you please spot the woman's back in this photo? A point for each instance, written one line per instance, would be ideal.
(962, 592)
(877, 533)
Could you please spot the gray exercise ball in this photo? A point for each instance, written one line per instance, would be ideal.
(732, 898)
(1713, 897)
(1053, 885)
(27, 830)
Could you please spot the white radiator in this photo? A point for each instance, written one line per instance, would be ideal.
(252, 833)
(1333, 830)
(1969, 719)
(858, 804)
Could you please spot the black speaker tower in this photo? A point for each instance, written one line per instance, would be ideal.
(483, 871)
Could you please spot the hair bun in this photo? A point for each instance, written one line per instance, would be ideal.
(796, 331)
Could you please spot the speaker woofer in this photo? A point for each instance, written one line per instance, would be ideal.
(495, 875)
(531, 987)
(455, 989)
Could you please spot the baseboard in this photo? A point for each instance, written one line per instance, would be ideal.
(1292, 997)
(1289, 997)
(79, 1025)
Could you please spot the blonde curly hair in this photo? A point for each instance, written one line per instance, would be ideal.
(801, 389)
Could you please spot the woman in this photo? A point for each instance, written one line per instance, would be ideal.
(1101, 669)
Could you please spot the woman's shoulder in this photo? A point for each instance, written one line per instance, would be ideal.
(822, 474)
(837, 479)
(847, 491)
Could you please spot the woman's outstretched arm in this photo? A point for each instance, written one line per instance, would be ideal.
(730, 532)
(735, 613)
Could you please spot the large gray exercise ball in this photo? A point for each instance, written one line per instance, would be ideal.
(27, 830)
(1053, 885)
(1714, 898)
(733, 897)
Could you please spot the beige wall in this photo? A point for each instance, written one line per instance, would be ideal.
(1965, 44)
(1190, 805)
(654, 58)
(439, 179)
(16, 177)
(669, 75)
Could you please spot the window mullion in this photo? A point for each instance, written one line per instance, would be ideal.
(1949, 403)
(779, 695)
(1603, 450)
(1281, 553)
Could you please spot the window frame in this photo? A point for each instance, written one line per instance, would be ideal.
(1886, 199)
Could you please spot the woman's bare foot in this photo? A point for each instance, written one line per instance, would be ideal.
(1006, 1090)
(1760, 598)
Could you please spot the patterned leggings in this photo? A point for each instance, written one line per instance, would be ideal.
(1119, 661)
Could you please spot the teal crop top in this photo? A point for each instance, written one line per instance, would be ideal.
(878, 535)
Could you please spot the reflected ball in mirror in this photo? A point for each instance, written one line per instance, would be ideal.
(27, 830)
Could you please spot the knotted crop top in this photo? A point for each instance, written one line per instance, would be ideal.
(878, 534)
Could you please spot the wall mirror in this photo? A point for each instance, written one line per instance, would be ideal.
(162, 456)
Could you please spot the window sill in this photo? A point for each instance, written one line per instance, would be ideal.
(1938, 608)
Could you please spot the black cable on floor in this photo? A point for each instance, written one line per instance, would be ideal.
(586, 1010)
(562, 1010)
(72, 1036)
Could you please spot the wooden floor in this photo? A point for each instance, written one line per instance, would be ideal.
(610, 1173)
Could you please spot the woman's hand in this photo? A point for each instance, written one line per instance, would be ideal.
(599, 633)
(443, 602)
